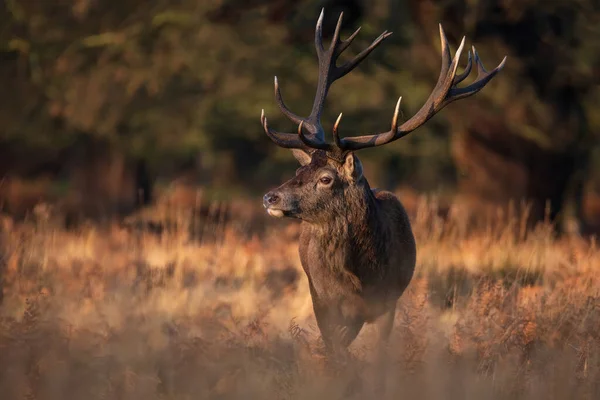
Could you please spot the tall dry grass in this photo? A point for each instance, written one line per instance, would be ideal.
(494, 311)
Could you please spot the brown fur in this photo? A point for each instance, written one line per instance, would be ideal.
(356, 246)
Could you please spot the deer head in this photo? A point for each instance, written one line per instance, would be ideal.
(331, 172)
(321, 189)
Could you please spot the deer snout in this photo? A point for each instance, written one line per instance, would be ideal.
(270, 199)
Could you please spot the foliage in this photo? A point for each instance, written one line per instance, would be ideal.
(182, 82)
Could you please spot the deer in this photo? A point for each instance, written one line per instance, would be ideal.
(356, 243)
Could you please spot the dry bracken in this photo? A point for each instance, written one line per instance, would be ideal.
(116, 313)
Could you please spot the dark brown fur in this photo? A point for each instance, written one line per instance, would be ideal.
(356, 246)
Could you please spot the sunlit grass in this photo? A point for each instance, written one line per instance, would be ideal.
(494, 311)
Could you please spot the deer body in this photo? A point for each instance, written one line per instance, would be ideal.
(358, 265)
(356, 244)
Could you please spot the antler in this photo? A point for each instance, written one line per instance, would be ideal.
(444, 93)
(329, 72)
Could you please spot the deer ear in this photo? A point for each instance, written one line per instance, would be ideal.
(303, 157)
(353, 167)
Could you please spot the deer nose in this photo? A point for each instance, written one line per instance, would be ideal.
(270, 199)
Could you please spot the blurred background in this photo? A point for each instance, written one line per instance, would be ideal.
(107, 104)
(119, 115)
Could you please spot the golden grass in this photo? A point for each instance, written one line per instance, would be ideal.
(493, 312)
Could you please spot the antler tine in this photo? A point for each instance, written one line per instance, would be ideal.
(444, 93)
(345, 43)
(448, 80)
(286, 140)
(483, 77)
(350, 65)
(286, 111)
(336, 136)
(335, 41)
(465, 73)
(319, 33)
(446, 55)
(395, 117)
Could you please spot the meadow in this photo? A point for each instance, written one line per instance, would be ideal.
(218, 308)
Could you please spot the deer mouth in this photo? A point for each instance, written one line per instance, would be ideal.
(280, 213)
(275, 213)
(278, 206)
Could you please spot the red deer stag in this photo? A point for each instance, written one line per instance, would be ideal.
(356, 244)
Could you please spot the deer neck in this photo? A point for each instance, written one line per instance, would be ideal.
(350, 235)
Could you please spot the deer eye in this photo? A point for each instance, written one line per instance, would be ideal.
(325, 180)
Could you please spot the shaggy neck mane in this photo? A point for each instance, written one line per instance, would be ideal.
(350, 237)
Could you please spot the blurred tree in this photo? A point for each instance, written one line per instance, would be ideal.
(148, 90)
(530, 138)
